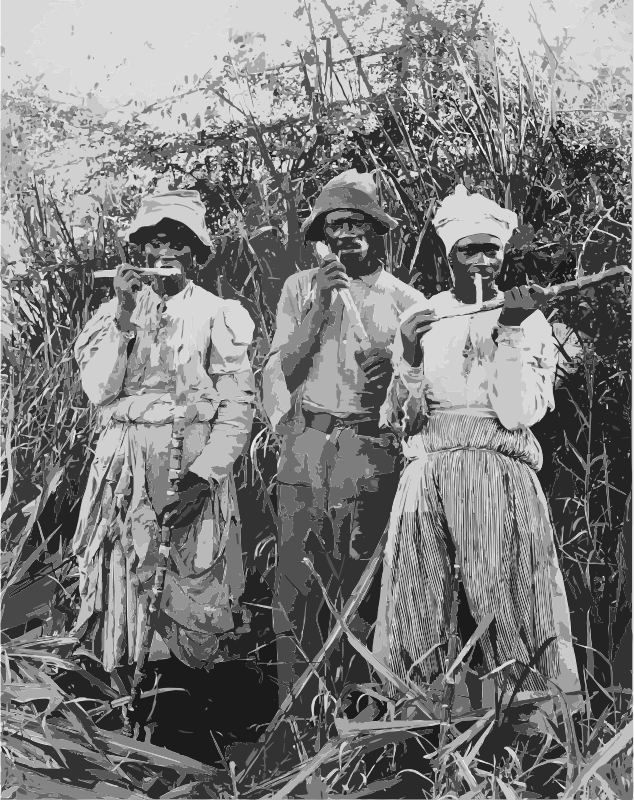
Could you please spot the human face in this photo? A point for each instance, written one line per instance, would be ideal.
(480, 253)
(350, 235)
(169, 241)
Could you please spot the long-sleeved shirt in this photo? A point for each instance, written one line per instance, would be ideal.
(190, 350)
(466, 372)
(335, 382)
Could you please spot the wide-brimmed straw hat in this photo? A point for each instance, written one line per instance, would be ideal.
(350, 191)
(181, 205)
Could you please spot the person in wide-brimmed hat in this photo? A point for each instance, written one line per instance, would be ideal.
(322, 390)
(350, 191)
(181, 210)
(153, 347)
(465, 393)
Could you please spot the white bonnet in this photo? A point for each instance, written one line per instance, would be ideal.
(461, 214)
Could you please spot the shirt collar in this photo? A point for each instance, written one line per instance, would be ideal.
(184, 293)
(371, 280)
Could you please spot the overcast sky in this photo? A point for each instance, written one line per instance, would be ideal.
(139, 49)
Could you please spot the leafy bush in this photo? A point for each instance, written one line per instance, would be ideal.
(445, 105)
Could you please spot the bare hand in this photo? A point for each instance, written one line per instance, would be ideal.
(411, 331)
(330, 277)
(377, 366)
(191, 493)
(126, 283)
(519, 303)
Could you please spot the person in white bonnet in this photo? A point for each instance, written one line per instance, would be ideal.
(464, 394)
(150, 348)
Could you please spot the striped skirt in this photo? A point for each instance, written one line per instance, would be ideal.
(473, 499)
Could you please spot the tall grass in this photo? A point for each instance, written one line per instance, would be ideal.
(456, 113)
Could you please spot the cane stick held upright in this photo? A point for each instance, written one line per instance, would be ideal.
(156, 592)
(356, 324)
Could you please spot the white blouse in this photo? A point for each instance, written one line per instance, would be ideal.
(465, 371)
(193, 350)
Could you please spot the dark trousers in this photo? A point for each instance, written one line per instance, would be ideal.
(335, 495)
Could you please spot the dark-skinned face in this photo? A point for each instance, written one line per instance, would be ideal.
(171, 242)
(352, 237)
(479, 253)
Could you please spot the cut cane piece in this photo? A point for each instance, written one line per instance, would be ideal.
(164, 550)
(356, 325)
(550, 292)
(477, 278)
(111, 273)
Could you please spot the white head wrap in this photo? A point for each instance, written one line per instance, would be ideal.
(461, 214)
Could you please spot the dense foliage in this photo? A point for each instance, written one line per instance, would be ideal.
(446, 104)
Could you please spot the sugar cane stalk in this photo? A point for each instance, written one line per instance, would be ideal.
(550, 293)
(350, 609)
(156, 593)
(449, 690)
(111, 273)
(358, 329)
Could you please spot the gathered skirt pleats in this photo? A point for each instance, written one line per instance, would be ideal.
(473, 499)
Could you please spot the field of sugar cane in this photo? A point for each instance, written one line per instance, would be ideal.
(452, 102)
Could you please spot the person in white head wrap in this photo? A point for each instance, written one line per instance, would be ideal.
(151, 348)
(461, 214)
(464, 394)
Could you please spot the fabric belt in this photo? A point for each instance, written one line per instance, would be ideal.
(327, 423)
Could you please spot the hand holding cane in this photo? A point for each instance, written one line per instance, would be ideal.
(356, 324)
(418, 319)
(549, 292)
(110, 273)
(156, 593)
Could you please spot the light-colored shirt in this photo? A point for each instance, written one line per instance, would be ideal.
(192, 350)
(466, 372)
(336, 382)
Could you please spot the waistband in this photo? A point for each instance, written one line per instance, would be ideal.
(156, 408)
(450, 432)
(327, 423)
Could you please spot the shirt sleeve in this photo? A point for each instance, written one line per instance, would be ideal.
(101, 351)
(276, 398)
(405, 409)
(231, 335)
(230, 370)
(521, 389)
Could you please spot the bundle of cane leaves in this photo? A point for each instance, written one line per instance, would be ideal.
(52, 746)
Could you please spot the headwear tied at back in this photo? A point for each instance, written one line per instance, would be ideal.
(181, 205)
(350, 191)
(462, 214)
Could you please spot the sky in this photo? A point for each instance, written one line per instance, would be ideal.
(141, 49)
